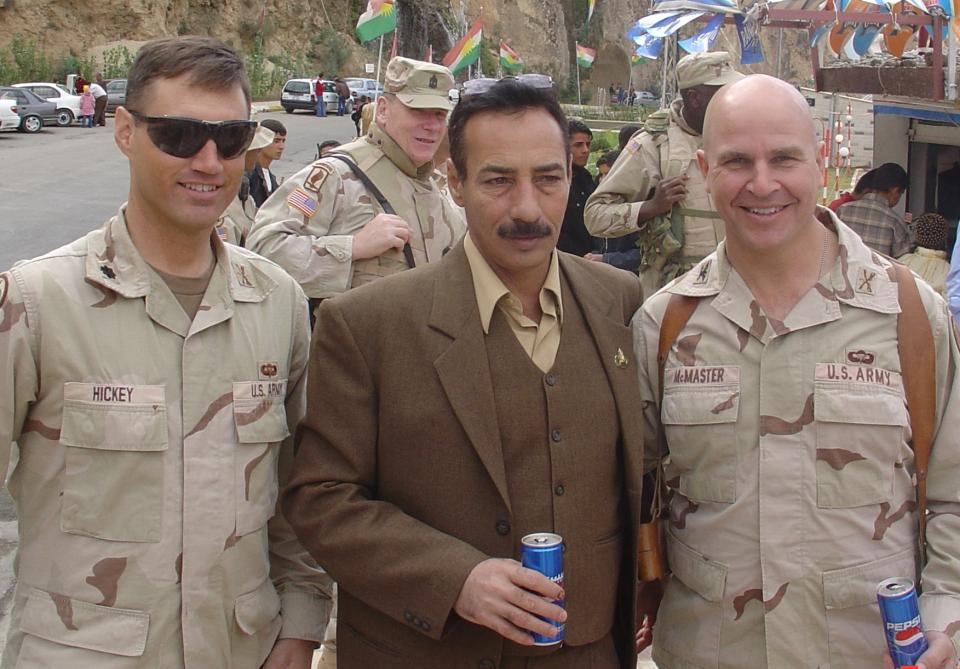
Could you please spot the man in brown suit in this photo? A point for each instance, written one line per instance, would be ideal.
(456, 408)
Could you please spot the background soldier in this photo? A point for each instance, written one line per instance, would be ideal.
(237, 219)
(152, 379)
(783, 411)
(655, 186)
(327, 228)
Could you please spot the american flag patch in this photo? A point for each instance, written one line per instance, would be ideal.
(302, 202)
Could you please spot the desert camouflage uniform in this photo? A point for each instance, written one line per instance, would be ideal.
(790, 469)
(671, 243)
(151, 449)
(316, 248)
(234, 224)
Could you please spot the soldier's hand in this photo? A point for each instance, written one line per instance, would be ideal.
(506, 597)
(382, 233)
(940, 653)
(667, 193)
(290, 654)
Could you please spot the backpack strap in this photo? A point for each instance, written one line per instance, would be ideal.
(918, 370)
(380, 198)
(651, 563)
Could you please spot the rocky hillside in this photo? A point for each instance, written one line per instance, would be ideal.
(305, 35)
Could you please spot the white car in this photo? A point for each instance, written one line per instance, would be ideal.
(299, 94)
(68, 104)
(369, 87)
(9, 118)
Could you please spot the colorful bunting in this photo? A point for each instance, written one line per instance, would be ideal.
(703, 40)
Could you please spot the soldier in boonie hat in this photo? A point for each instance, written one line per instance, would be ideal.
(262, 139)
(706, 69)
(419, 84)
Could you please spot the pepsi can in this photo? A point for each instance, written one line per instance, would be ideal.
(901, 621)
(543, 552)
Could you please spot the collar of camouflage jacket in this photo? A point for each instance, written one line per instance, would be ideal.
(859, 278)
(113, 262)
(396, 155)
(676, 116)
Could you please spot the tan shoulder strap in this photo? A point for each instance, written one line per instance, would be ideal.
(679, 310)
(918, 370)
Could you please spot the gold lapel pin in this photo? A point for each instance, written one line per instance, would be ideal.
(620, 360)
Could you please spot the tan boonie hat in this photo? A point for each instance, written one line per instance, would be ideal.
(706, 69)
(262, 139)
(419, 84)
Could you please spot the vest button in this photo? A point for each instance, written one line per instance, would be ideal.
(503, 527)
(559, 490)
(551, 380)
(487, 664)
(555, 435)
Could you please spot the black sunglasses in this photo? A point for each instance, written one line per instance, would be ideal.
(184, 137)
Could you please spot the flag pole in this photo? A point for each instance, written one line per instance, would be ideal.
(579, 101)
(380, 59)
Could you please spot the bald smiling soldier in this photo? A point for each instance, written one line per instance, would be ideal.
(789, 469)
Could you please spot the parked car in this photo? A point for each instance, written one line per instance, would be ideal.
(116, 94)
(647, 98)
(68, 104)
(9, 118)
(369, 87)
(34, 111)
(298, 94)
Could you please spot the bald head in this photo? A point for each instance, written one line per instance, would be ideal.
(758, 98)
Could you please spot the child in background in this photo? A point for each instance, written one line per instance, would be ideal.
(86, 107)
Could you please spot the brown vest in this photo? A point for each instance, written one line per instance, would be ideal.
(561, 449)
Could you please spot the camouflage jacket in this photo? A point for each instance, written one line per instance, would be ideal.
(151, 449)
(307, 225)
(671, 243)
(789, 468)
(234, 224)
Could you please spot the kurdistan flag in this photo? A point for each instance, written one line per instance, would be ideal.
(379, 19)
(585, 55)
(467, 50)
(510, 60)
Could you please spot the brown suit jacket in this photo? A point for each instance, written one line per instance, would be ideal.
(399, 487)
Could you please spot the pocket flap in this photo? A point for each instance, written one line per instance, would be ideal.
(259, 411)
(701, 395)
(857, 585)
(702, 575)
(112, 417)
(842, 400)
(79, 624)
(257, 609)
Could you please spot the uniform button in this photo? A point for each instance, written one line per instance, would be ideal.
(559, 490)
(487, 664)
(551, 380)
(503, 527)
(555, 435)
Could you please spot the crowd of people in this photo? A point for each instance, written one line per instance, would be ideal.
(203, 483)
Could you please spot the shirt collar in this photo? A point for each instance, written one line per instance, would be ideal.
(489, 289)
(377, 136)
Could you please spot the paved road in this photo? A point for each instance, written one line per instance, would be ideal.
(61, 183)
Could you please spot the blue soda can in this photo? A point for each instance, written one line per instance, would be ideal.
(543, 552)
(901, 621)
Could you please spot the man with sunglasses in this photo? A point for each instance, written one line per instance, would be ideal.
(331, 231)
(153, 376)
(458, 407)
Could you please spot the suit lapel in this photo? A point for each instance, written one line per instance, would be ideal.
(463, 368)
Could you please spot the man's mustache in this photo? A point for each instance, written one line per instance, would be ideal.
(524, 229)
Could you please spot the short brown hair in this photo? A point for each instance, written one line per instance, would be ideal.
(209, 63)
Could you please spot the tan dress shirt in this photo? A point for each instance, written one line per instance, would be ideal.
(540, 340)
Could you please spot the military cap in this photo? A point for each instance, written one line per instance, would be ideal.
(712, 68)
(419, 84)
(262, 139)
